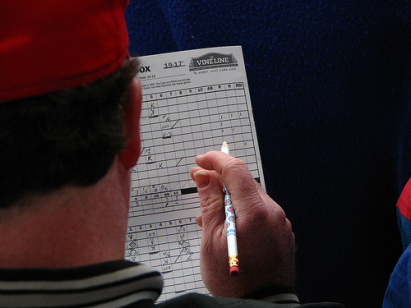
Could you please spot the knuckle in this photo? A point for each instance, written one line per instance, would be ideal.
(208, 201)
(235, 165)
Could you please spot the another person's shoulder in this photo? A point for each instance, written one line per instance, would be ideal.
(398, 292)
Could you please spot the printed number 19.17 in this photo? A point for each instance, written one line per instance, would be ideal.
(173, 64)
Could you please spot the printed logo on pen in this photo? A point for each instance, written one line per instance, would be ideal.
(231, 232)
(212, 60)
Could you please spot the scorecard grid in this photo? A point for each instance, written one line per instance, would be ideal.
(175, 127)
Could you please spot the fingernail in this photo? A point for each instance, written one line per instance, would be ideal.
(201, 178)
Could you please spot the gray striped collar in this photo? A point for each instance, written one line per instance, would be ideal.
(111, 284)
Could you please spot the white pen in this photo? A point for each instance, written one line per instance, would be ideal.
(230, 223)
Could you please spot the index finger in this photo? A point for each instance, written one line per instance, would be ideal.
(220, 162)
(234, 173)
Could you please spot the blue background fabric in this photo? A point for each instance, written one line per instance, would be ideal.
(330, 85)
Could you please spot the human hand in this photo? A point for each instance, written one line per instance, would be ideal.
(265, 239)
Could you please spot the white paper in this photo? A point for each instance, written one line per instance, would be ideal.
(192, 102)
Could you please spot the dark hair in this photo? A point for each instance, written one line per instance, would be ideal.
(69, 136)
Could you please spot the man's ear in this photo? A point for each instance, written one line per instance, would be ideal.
(129, 155)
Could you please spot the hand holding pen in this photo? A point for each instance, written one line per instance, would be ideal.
(264, 234)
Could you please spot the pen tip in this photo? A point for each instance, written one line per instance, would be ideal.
(224, 147)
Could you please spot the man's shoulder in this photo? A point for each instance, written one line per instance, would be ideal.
(200, 301)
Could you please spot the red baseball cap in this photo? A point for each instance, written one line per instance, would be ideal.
(53, 44)
(404, 201)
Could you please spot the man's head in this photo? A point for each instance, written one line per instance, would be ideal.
(63, 93)
(66, 137)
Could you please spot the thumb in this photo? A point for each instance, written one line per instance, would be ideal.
(211, 197)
